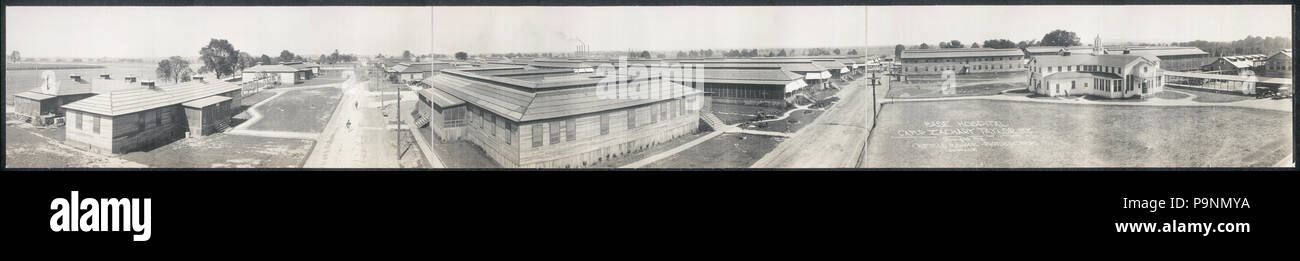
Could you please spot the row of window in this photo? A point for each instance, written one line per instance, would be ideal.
(974, 67)
(1071, 68)
(1004, 58)
(490, 122)
(569, 127)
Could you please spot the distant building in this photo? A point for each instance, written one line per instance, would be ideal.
(276, 73)
(1055, 50)
(414, 72)
(747, 84)
(1235, 64)
(962, 60)
(1279, 64)
(553, 118)
(147, 116)
(813, 75)
(1095, 73)
(1172, 58)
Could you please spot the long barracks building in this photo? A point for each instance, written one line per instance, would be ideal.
(962, 60)
(554, 118)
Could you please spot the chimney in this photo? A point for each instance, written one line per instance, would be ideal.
(149, 84)
(129, 78)
(105, 76)
(75, 77)
(1065, 53)
(1126, 51)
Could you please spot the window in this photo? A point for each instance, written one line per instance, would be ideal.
(604, 123)
(631, 118)
(571, 127)
(79, 121)
(510, 132)
(96, 119)
(492, 119)
(654, 113)
(555, 132)
(157, 117)
(663, 110)
(139, 121)
(482, 117)
(537, 135)
(1072, 85)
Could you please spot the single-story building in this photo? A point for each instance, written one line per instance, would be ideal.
(1279, 64)
(962, 60)
(1096, 74)
(41, 106)
(1235, 64)
(122, 121)
(277, 73)
(748, 84)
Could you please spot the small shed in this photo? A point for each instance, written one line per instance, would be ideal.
(207, 115)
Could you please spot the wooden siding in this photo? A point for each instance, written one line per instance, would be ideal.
(122, 133)
(591, 147)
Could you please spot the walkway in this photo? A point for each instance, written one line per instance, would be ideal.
(673, 151)
(834, 139)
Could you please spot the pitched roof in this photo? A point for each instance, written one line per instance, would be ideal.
(270, 68)
(121, 102)
(441, 98)
(206, 101)
(522, 100)
(757, 76)
(1118, 60)
(1164, 50)
(959, 52)
(1243, 61)
(413, 67)
(33, 95)
(1053, 49)
(1076, 74)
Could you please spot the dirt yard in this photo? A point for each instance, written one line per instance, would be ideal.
(299, 110)
(29, 147)
(227, 151)
(1002, 134)
(724, 151)
(733, 113)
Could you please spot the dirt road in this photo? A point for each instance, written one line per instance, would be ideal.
(366, 144)
(833, 140)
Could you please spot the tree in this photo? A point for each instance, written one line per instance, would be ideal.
(923, 46)
(15, 56)
(219, 57)
(974, 45)
(246, 60)
(323, 59)
(681, 54)
(782, 53)
(406, 55)
(853, 52)
(956, 44)
(999, 44)
(462, 56)
(943, 45)
(837, 51)
(286, 56)
(645, 54)
(174, 68)
(898, 50)
(265, 60)
(1060, 38)
(334, 57)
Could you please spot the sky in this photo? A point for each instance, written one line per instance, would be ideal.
(138, 32)
(560, 29)
(1114, 24)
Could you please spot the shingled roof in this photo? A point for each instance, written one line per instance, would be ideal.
(525, 100)
(121, 102)
(1118, 60)
(959, 53)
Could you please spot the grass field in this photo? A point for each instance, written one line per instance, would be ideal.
(17, 81)
(1170, 95)
(734, 113)
(1037, 135)
(227, 151)
(797, 120)
(49, 66)
(931, 91)
(656, 149)
(724, 151)
(299, 110)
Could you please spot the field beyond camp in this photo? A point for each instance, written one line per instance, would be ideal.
(999, 134)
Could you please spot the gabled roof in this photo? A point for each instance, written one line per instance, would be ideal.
(522, 100)
(757, 76)
(440, 98)
(1162, 50)
(413, 67)
(1054, 49)
(959, 52)
(1076, 74)
(206, 101)
(1117, 60)
(121, 102)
